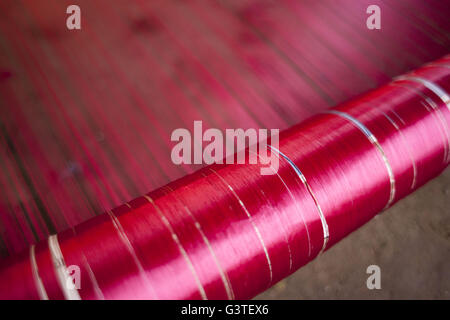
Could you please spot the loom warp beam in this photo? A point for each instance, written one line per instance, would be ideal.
(228, 232)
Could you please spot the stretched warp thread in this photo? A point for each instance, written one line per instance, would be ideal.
(69, 98)
(228, 232)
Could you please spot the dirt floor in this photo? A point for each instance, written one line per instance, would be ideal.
(410, 243)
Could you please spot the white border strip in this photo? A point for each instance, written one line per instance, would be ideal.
(37, 279)
(375, 142)
(441, 93)
(326, 233)
(61, 270)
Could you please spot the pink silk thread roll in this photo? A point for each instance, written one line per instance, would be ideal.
(228, 232)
